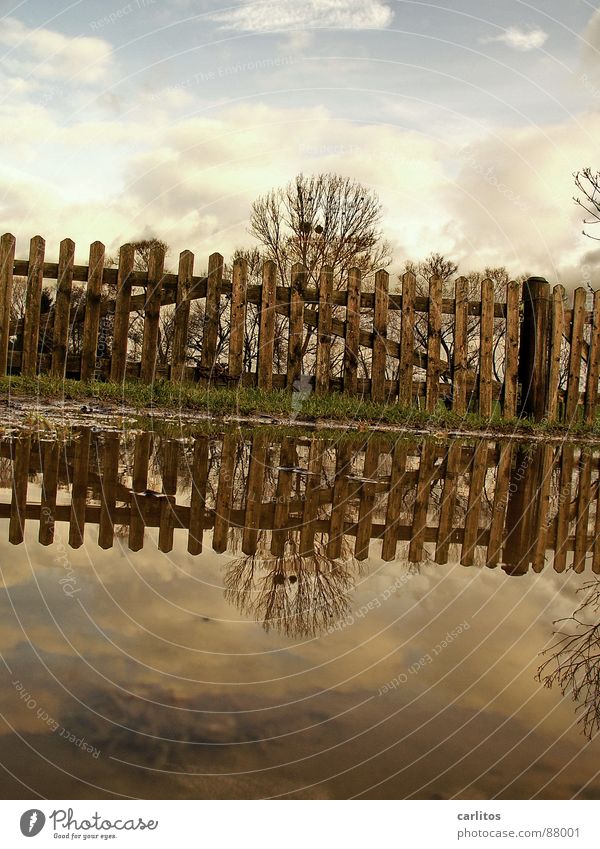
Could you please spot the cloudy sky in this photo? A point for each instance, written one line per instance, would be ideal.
(121, 120)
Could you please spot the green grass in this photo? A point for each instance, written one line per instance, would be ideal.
(188, 398)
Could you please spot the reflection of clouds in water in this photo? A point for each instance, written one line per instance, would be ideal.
(169, 622)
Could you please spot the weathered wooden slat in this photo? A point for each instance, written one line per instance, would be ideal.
(472, 531)
(323, 361)
(459, 359)
(7, 258)
(118, 365)
(557, 329)
(198, 495)
(434, 336)
(79, 488)
(296, 324)
(185, 274)
(266, 333)
(394, 502)
(448, 502)
(141, 460)
(108, 495)
(338, 501)
(169, 468)
(486, 342)
(596, 541)
(62, 308)
(511, 363)
(543, 505)
(564, 507)
(380, 323)
(367, 499)
(576, 339)
(287, 460)
(417, 539)
(311, 502)
(33, 300)
(237, 333)
(156, 263)
(211, 317)
(254, 493)
(18, 504)
(582, 511)
(91, 324)
(495, 541)
(48, 492)
(352, 332)
(224, 493)
(407, 339)
(593, 364)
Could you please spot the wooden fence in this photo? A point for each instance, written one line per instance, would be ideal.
(523, 351)
(483, 503)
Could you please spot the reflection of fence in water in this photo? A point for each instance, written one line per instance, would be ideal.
(480, 503)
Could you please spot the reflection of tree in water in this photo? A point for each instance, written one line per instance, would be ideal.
(299, 596)
(574, 659)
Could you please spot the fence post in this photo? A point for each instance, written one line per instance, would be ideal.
(237, 332)
(156, 265)
(407, 340)
(352, 332)
(533, 349)
(323, 364)
(118, 363)
(33, 301)
(296, 326)
(91, 323)
(7, 258)
(434, 339)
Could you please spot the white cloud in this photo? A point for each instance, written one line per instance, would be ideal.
(49, 55)
(269, 15)
(591, 41)
(520, 39)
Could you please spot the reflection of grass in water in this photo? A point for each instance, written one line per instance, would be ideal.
(189, 397)
(573, 661)
(298, 596)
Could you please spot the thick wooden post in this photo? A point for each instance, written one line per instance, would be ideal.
(33, 301)
(92, 311)
(62, 308)
(118, 364)
(185, 276)
(156, 264)
(533, 350)
(7, 258)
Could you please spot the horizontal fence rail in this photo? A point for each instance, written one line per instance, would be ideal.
(521, 350)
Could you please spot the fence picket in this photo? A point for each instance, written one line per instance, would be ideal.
(367, 500)
(579, 299)
(210, 333)
(296, 324)
(471, 533)
(33, 300)
(109, 474)
(407, 342)
(352, 332)
(417, 536)
(593, 364)
(156, 264)
(557, 327)
(239, 283)
(323, 361)
(511, 363)
(486, 342)
(448, 503)
(380, 323)
(62, 308)
(266, 333)
(20, 478)
(185, 276)
(79, 488)
(48, 493)
(118, 365)
(198, 495)
(92, 311)
(224, 493)
(434, 333)
(459, 364)
(7, 260)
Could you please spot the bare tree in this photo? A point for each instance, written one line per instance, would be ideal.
(322, 219)
(587, 183)
(574, 659)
